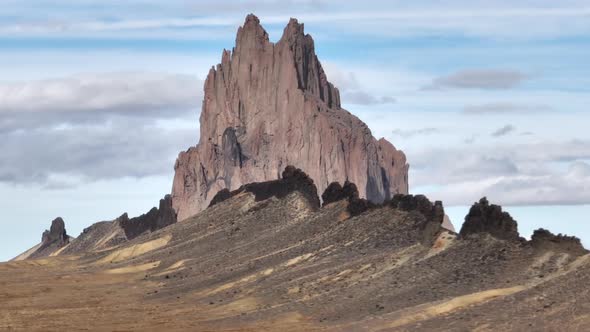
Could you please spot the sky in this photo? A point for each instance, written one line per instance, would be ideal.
(486, 98)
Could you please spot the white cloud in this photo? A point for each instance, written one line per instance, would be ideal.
(62, 132)
(495, 19)
(559, 188)
(130, 92)
(71, 155)
(520, 174)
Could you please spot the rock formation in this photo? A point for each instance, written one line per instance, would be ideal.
(356, 205)
(56, 235)
(293, 179)
(99, 236)
(486, 218)
(102, 235)
(268, 105)
(153, 220)
(335, 192)
(53, 241)
(545, 240)
(265, 257)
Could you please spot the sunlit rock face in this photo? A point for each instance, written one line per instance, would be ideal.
(269, 105)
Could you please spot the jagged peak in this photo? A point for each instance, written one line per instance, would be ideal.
(252, 18)
(484, 217)
(57, 231)
(251, 33)
(294, 28)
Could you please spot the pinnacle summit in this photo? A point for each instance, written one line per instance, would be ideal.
(268, 105)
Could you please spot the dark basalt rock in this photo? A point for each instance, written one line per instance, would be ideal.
(293, 179)
(356, 206)
(543, 239)
(434, 213)
(222, 195)
(56, 235)
(152, 221)
(335, 192)
(420, 203)
(484, 217)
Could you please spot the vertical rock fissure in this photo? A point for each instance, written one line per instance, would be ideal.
(263, 110)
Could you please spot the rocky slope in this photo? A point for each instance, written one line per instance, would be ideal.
(102, 235)
(268, 105)
(53, 241)
(266, 257)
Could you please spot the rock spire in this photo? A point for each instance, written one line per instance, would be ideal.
(268, 105)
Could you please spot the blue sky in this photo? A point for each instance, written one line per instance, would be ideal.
(485, 97)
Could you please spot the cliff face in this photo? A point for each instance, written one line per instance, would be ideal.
(269, 105)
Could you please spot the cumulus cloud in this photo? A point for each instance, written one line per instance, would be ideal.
(91, 152)
(97, 98)
(559, 188)
(504, 108)
(480, 79)
(59, 132)
(520, 174)
(124, 93)
(503, 131)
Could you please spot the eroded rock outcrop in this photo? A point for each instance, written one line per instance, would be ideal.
(545, 240)
(433, 213)
(56, 235)
(156, 218)
(356, 205)
(268, 105)
(293, 179)
(99, 236)
(53, 241)
(336, 192)
(108, 234)
(484, 217)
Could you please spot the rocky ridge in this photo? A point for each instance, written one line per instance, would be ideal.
(267, 261)
(53, 241)
(155, 219)
(102, 235)
(268, 105)
(292, 179)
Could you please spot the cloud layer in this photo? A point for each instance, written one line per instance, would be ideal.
(92, 127)
(128, 93)
(480, 79)
(181, 17)
(519, 174)
(504, 108)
